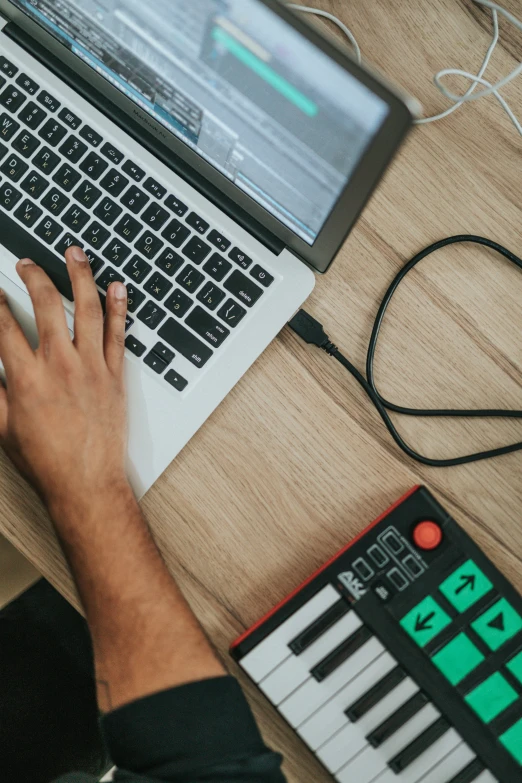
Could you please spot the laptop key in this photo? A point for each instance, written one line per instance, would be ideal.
(108, 276)
(134, 346)
(90, 135)
(94, 166)
(28, 213)
(128, 322)
(75, 218)
(151, 315)
(128, 228)
(178, 303)
(25, 143)
(67, 241)
(176, 206)
(232, 313)
(217, 267)
(48, 230)
(137, 269)
(54, 201)
(217, 239)
(46, 160)
(34, 184)
(135, 298)
(70, 119)
(67, 177)
(185, 343)
(176, 380)
(32, 115)
(116, 252)
(114, 182)
(164, 353)
(48, 101)
(73, 149)
(148, 245)
(3, 151)
(8, 126)
(133, 170)
(27, 84)
(14, 168)
(175, 233)
(12, 98)
(107, 211)
(196, 222)
(211, 296)
(22, 244)
(52, 132)
(135, 199)
(158, 286)
(87, 194)
(240, 258)
(112, 153)
(7, 67)
(96, 235)
(243, 288)
(207, 327)
(155, 216)
(196, 250)
(94, 262)
(155, 362)
(259, 274)
(154, 188)
(169, 262)
(190, 279)
(3, 81)
(9, 197)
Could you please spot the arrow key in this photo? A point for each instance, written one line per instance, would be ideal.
(465, 586)
(425, 621)
(498, 624)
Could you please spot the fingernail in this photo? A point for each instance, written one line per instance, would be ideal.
(78, 255)
(26, 262)
(120, 291)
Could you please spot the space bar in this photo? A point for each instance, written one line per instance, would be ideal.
(24, 245)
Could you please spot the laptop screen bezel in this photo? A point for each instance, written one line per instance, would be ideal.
(359, 188)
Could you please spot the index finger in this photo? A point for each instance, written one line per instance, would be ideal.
(15, 351)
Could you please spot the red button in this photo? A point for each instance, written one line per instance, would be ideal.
(427, 535)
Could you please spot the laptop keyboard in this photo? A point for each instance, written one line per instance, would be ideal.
(63, 184)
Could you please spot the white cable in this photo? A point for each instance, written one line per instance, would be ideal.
(326, 15)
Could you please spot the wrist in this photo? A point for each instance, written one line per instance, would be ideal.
(81, 507)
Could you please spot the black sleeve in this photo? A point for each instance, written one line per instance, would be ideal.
(203, 731)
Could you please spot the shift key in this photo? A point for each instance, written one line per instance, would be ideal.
(185, 343)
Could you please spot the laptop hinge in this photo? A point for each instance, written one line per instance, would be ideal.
(134, 129)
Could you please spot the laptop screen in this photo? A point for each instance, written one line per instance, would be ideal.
(238, 85)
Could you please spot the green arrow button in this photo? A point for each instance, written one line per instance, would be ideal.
(465, 586)
(425, 621)
(499, 624)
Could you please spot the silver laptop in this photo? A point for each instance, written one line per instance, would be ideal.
(211, 154)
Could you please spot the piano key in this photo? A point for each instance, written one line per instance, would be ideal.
(398, 719)
(371, 762)
(319, 626)
(274, 649)
(458, 760)
(322, 705)
(417, 748)
(341, 654)
(375, 694)
(425, 764)
(344, 745)
(293, 671)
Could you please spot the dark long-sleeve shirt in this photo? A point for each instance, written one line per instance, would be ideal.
(203, 732)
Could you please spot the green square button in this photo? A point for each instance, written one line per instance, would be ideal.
(515, 666)
(465, 586)
(499, 624)
(425, 621)
(512, 741)
(458, 658)
(491, 697)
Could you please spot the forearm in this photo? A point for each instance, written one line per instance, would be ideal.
(145, 637)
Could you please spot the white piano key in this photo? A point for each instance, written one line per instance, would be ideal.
(344, 745)
(274, 649)
(451, 765)
(295, 670)
(418, 770)
(323, 724)
(312, 695)
(486, 777)
(372, 761)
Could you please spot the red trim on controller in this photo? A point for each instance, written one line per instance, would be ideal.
(322, 568)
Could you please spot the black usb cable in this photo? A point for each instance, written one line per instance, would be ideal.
(312, 332)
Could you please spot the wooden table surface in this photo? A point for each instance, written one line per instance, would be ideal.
(296, 461)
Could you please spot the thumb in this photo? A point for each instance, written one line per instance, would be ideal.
(3, 412)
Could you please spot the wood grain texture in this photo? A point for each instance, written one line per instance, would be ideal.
(295, 461)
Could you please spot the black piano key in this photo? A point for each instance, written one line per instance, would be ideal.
(375, 694)
(469, 773)
(341, 653)
(318, 627)
(419, 745)
(398, 719)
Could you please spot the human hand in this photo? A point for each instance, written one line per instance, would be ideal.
(62, 415)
